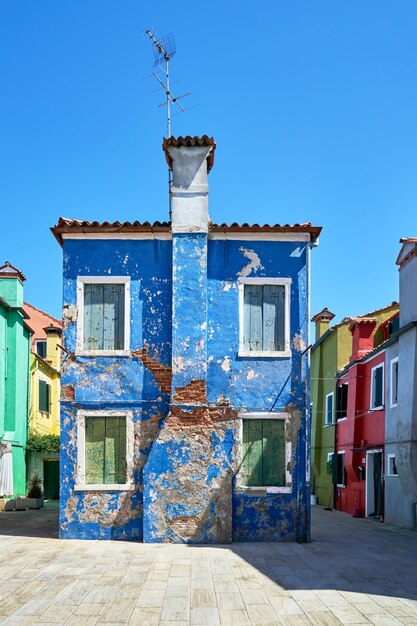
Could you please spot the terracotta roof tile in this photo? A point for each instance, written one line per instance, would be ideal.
(189, 142)
(66, 225)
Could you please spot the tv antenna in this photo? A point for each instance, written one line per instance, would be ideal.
(164, 50)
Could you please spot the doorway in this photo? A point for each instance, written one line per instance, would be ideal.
(373, 483)
(51, 479)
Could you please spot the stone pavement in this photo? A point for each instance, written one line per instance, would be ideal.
(354, 572)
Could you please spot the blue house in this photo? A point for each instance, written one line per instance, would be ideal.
(185, 393)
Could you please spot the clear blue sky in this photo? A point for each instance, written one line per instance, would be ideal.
(312, 104)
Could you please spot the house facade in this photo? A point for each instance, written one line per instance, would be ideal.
(15, 337)
(401, 400)
(330, 354)
(185, 381)
(45, 357)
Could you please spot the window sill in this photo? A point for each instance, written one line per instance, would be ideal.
(391, 475)
(102, 353)
(109, 487)
(266, 490)
(342, 419)
(328, 425)
(377, 408)
(393, 406)
(265, 354)
(341, 486)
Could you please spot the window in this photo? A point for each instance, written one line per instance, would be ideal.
(377, 387)
(391, 466)
(394, 382)
(265, 452)
(329, 408)
(338, 469)
(264, 316)
(342, 401)
(44, 399)
(40, 348)
(103, 315)
(105, 450)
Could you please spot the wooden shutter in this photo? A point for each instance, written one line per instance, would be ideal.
(273, 452)
(252, 453)
(252, 329)
(105, 450)
(334, 468)
(95, 432)
(104, 308)
(43, 397)
(378, 387)
(115, 450)
(329, 409)
(273, 317)
(48, 398)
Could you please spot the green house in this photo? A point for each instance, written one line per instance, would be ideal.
(14, 372)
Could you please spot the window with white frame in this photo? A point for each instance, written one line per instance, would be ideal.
(264, 316)
(40, 348)
(342, 401)
(394, 382)
(103, 323)
(338, 469)
(391, 466)
(377, 387)
(329, 415)
(105, 450)
(265, 452)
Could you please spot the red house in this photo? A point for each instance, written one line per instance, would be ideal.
(360, 428)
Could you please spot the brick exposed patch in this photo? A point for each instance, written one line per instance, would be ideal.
(162, 373)
(195, 391)
(67, 392)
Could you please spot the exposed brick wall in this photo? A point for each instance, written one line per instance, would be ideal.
(161, 372)
(194, 392)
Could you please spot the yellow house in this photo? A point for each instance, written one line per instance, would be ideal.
(43, 436)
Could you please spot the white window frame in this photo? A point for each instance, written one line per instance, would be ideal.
(326, 423)
(288, 453)
(36, 347)
(377, 408)
(390, 456)
(392, 363)
(286, 282)
(341, 485)
(80, 484)
(100, 280)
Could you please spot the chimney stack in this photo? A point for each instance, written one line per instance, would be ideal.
(322, 321)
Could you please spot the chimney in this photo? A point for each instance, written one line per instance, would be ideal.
(53, 337)
(322, 321)
(190, 159)
(11, 285)
(363, 330)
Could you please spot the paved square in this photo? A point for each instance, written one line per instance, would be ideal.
(354, 572)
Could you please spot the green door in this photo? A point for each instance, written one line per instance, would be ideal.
(51, 480)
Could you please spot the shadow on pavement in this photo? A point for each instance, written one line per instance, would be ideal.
(42, 523)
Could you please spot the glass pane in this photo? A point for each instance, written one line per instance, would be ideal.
(104, 316)
(105, 450)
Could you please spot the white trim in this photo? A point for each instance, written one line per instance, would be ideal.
(390, 456)
(286, 282)
(392, 362)
(120, 236)
(302, 237)
(326, 423)
(372, 356)
(36, 347)
(329, 456)
(344, 418)
(80, 484)
(114, 280)
(371, 395)
(288, 453)
(341, 485)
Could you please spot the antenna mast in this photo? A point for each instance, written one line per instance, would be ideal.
(164, 49)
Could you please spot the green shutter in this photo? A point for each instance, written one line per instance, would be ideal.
(48, 398)
(252, 453)
(104, 308)
(334, 468)
(273, 452)
(95, 432)
(273, 317)
(378, 387)
(43, 397)
(105, 450)
(252, 332)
